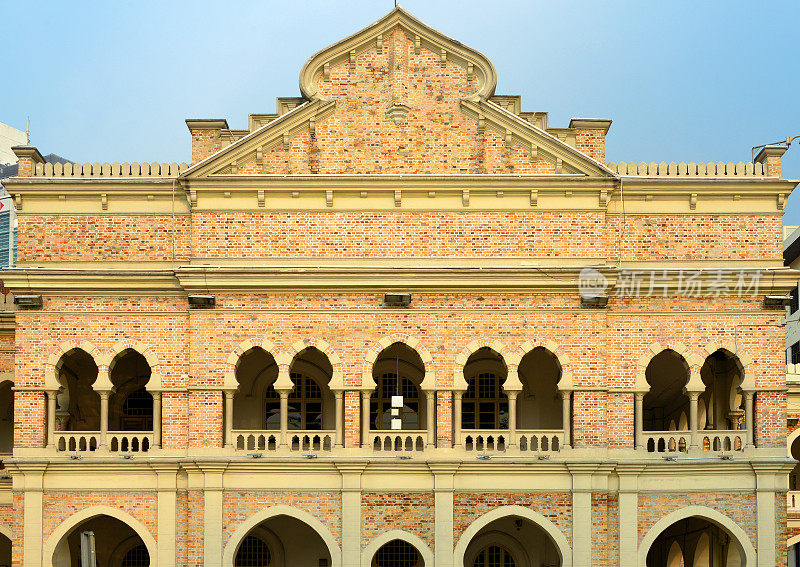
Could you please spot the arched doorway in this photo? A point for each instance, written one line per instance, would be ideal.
(280, 540)
(512, 536)
(115, 542)
(696, 536)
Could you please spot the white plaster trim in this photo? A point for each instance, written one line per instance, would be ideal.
(372, 548)
(560, 541)
(6, 531)
(337, 377)
(460, 383)
(374, 351)
(51, 381)
(792, 541)
(229, 554)
(701, 512)
(76, 519)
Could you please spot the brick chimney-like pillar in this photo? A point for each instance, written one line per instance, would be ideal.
(590, 136)
(206, 137)
(28, 156)
(770, 158)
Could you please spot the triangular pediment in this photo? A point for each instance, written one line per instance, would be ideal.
(398, 97)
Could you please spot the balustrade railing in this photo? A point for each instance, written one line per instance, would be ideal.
(540, 441)
(408, 440)
(117, 441)
(667, 441)
(485, 439)
(721, 440)
(708, 440)
(296, 440)
(130, 441)
(77, 441)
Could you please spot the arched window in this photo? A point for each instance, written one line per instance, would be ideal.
(136, 557)
(484, 405)
(721, 374)
(381, 406)
(131, 405)
(666, 403)
(397, 553)
(305, 403)
(79, 403)
(398, 371)
(253, 552)
(494, 556)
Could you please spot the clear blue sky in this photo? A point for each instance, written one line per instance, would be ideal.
(682, 80)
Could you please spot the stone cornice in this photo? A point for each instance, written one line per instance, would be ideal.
(206, 124)
(602, 124)
(355, 277)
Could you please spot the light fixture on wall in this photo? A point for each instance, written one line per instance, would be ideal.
(31, 301)
(777, 301)
(594, 300)
(202, 301)
(397, 299)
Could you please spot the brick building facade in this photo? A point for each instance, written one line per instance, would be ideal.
(398, 322)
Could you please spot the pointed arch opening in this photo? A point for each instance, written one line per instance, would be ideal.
(512, 536)
(118, 539)
(695, 542)
(130, 407)
(722, 374)
(700, 533)
(666, 404)
(399, 408)
(256, 403)
(281, 536)
(77, 403)
(311, 413)
(539, 404)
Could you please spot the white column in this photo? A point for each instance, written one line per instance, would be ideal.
(638, 420)
(157, 419)
(443, 484)
(457, 418)
(693, 396)
(167, 512)
(749, 423)
(104, 395)
(339, 396)
(365, 418)
(51, 418)
(628, 514)
(212, 513)
(430, 415)
(582, 513)
(284, 416)
(351, 512)
(512, 418)
(566, 418)
(766, 487)
(229, 418)
(32, 515)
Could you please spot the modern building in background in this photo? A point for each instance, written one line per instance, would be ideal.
(9, 137)
(398, 322)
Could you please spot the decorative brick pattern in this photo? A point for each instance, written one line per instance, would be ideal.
(469, 506)
(324, 506)
(408, 511)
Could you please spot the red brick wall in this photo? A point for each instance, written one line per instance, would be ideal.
(239, 506)
(740, 507)
(83, 238)
(408, 511)
(469, 506)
